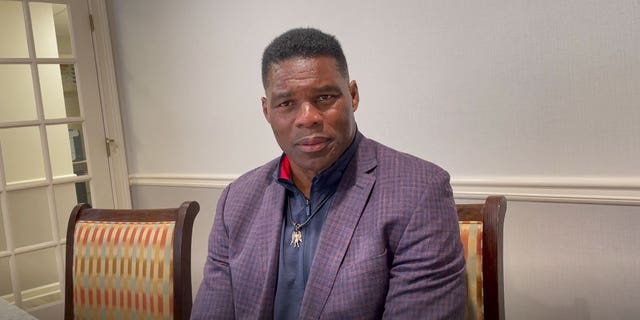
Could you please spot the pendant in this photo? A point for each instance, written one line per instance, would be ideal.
(296, 238)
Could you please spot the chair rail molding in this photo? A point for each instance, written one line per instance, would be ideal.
(219, 181)
(585, 190)
(588, 190)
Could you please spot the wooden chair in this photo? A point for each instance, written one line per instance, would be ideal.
(481, 233)
(125, 263)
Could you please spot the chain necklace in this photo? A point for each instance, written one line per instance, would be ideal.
(296, 235)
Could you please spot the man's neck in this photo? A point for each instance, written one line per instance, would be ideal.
(302, 179)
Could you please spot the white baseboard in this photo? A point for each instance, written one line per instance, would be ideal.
(586, 190)
(35, 297)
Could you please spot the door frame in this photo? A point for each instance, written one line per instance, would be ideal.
(110, 103)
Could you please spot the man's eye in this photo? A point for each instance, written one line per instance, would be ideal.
(285, 104)
(325, 97)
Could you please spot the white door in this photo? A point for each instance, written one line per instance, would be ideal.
(52, 143)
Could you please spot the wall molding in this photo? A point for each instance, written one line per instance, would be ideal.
(585, 190)
(592, 190)
(175, 180)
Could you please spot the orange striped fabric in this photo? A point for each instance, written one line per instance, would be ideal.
(471, 234)
(123, 270)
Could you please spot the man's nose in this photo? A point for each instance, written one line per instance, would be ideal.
(308, 116)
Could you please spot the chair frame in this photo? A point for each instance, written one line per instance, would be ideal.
(491, 213)
(183, 216)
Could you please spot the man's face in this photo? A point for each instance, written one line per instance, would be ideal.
(310, 106)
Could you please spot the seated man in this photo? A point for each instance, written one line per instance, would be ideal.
(339, 226)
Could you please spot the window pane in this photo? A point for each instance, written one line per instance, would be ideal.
(66, 150)
(38, 275)
(17, 100)
(29, 216)
(51, 30)
(59, 90)
(80, 168)
(5, 277)
(67, 196)
(13, 36)
(22, 154)
(83, 192)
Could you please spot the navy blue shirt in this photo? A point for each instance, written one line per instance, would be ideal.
(295, 262)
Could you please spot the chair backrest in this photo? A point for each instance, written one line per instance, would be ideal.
(481, 232)
(129, 263)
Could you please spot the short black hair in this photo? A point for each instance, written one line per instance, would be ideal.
(306, 43)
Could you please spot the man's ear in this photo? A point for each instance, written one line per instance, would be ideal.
(265, 108)
(355, 96)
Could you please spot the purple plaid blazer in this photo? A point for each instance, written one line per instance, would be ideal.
(390, 247)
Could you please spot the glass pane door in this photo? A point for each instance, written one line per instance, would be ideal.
(52, 142)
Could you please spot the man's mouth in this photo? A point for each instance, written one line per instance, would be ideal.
(313, 144)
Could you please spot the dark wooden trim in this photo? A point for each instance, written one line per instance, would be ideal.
(68, 274)
(182, 253)
(492, 214)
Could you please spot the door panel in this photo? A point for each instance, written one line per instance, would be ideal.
(52, 143)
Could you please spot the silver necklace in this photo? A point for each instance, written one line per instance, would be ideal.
(296, 235)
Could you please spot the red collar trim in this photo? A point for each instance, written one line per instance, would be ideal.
(285, 168)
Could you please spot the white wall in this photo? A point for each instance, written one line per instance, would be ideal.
(537, 100)
(527, 80)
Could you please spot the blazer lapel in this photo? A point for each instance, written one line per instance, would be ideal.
(351, 199)
(267, 248)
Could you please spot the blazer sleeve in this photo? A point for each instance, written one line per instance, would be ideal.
(214, 299)
(427, 272)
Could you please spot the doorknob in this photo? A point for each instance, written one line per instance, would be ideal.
(108, 142)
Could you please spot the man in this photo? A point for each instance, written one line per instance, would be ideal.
(338, 227)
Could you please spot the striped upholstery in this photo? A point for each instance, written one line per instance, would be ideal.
(123, 270)
(471, 234)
